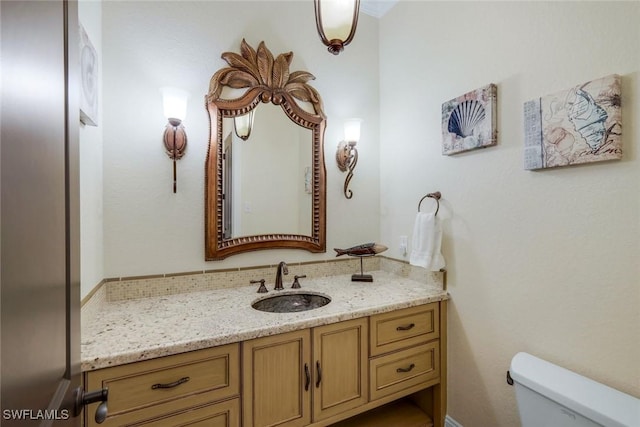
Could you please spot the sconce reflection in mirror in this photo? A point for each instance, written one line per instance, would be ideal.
(347, 153)
(175, 137)
(243, 125)
(336, 22)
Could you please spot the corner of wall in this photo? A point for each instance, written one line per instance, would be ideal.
(91, 167)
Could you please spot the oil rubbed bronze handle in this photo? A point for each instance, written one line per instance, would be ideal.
(319, 379)
(406, 328)
(171, 385)
(307, 376)
(409, 369)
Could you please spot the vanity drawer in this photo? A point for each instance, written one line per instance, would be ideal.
(403, 328)
(221, 414)
(404, 369)
(213, 373)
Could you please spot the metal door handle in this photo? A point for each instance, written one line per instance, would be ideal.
(83, 398)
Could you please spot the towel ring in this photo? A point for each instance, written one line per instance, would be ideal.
(436, 195)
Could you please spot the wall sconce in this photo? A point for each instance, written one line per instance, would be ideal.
(347, 153)
(243, 124)
(336, 21)
(175, 138)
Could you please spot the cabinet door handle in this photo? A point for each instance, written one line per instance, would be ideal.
(307, 376)
(319, 369)
(406, 328)
(409, 369)
(171, 385)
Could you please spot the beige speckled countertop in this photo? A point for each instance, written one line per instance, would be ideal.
(133, 330)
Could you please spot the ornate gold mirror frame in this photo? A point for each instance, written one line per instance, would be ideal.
(268, 80)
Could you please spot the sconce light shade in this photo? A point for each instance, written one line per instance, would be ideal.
(352, 130)
(174, 101)
(347, 153)
(175, 137)
(243, 125)
(336, 22)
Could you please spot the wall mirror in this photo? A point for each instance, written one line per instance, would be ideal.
(265, 172)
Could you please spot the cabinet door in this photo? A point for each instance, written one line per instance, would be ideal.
(340, 367)
(276, 385)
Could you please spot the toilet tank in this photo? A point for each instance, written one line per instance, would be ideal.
(551, 396)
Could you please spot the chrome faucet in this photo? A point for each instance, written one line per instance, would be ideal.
(282, 269)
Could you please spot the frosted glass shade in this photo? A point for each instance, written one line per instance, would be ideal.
(243, 125)
(336, 22)
(174, 101)
(337, 18)
(352, 130)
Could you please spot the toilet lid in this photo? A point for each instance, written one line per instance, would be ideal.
(595, 401)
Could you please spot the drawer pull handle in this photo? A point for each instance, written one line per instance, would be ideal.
(406, 328)
(171, 385)
(409, 369)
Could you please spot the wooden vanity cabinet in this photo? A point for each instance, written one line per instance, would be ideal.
(407, 366)
(312, 377)
(195, 388)
(405, 350)
(298, 377)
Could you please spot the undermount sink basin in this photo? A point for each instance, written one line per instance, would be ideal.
(291, 303)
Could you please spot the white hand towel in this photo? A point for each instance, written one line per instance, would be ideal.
(426, 242)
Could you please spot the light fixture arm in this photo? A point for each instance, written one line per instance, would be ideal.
(175, 143)
(173, 155)
(352, 165)
(347, 159)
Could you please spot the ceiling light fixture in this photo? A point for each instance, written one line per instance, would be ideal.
(336, 21)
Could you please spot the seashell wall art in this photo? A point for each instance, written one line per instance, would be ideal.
(579, 125)
(469, 121)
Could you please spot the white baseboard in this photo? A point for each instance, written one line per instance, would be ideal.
(450, 422)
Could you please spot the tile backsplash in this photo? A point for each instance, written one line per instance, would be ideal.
(126, 288)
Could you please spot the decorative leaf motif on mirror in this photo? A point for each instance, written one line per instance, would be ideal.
(259, 71)
(269, 80)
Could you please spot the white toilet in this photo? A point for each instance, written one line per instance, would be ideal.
(551, 396)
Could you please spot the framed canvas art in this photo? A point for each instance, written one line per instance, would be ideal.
(89, 81)
(469, 121)
(575, 126)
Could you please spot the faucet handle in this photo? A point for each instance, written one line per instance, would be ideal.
(262, 289)
(296, 284)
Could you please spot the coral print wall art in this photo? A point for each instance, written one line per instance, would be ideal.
(469, 121)
(579, 125)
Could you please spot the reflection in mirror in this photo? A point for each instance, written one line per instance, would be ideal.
(243, 125)
(264, 176)
(264, 188)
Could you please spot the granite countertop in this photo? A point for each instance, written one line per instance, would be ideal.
(134, 330)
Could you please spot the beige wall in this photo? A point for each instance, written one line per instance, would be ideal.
(91, 182)
(544, 262)
(150, 44)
